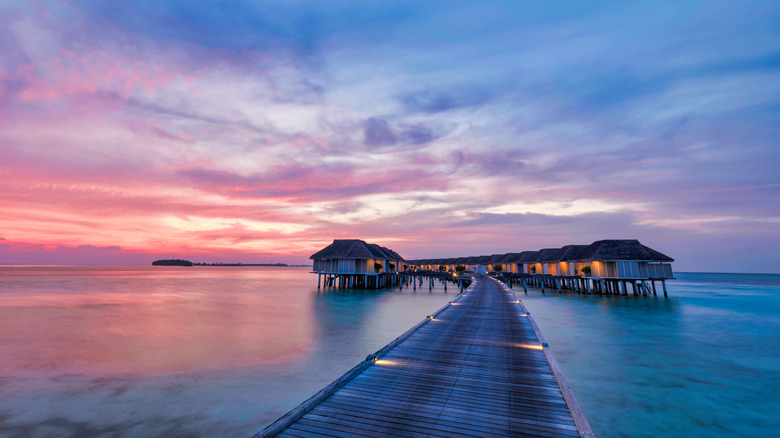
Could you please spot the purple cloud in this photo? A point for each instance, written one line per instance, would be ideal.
(417, 134)
(378, 133)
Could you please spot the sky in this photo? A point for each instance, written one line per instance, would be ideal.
(261, 131)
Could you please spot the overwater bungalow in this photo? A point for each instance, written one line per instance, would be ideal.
(511, 262)
(496, 260)
(527, 262)
(546, 262)
(482, 263)
(449, 264)
(625, 259)
(471, 263)
(566, 263)
(606, 265)
(355, 263)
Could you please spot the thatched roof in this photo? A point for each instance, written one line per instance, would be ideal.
(386, 253)
(496, 259)
(394, 254)
(355, 249)
(606, 250)
(610, 250)
(570, 252)
(549, 255)
(512, 257)
(528, 257)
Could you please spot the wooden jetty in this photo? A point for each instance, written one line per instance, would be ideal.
(478, 367)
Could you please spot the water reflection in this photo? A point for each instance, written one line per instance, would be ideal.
(141, 351)
(344, 306)
(151, 324)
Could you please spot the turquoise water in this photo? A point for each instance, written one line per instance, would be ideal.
(704, 362)
(218, 351)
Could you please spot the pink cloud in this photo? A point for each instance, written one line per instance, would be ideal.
(70, 74)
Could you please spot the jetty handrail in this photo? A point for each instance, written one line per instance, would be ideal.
(299, 411)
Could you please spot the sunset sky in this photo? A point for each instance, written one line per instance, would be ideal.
(260, 131)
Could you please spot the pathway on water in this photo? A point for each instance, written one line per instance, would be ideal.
(478, 368)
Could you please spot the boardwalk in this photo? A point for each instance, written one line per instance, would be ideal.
(477, 368)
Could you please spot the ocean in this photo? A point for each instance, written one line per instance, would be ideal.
(129, 351)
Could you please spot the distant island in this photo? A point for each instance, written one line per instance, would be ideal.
(172, 262)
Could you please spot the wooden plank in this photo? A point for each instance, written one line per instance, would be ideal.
(467, 372)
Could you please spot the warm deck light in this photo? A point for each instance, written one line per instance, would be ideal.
(531, 346)
(386, 362)
(430, 317)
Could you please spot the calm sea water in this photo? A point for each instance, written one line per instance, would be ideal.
(142, 351)
(704, 362)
